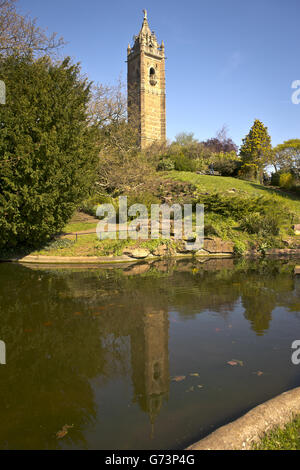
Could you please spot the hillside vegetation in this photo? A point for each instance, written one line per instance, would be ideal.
(223, 184)
(253, 216)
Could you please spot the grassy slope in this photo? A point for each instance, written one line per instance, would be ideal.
(89, 245)
(79, 227)
(282, 439)
(223, 184)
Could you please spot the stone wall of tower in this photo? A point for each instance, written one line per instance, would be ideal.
(134, 92)
(146, 96)
(153, 107)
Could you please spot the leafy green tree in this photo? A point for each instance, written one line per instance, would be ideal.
(48, 154)
(286, 156)
(185, 138)
(185, 145)
(256, 147)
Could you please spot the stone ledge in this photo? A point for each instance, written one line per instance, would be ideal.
(283, 251)
(104, 259)
(133, 257)
(249, 429)
(71, 259)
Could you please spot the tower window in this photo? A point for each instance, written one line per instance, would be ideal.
(152, 76)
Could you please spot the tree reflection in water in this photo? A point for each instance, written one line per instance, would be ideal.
(65, 327)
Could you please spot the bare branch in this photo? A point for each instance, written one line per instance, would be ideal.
(20, 33)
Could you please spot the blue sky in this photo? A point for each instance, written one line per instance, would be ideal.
(228, 61)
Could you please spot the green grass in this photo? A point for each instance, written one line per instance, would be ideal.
(228, 211)
(287, 438)
(207, 183)
(226, 227)
(79, 226)
(90, 245)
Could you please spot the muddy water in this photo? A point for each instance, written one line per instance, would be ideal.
(137, 357)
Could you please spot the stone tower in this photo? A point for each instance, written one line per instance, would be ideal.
(146, 86)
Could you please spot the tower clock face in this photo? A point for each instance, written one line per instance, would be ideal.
(152, 76)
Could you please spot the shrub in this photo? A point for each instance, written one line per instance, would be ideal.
(59, 244)
(90, 205)
(210, 229)
(264, 224)
(166, 164)
(239, 207)
(145, 197)
(249, 172)
(227, 164)
(252, 223)
(201, 165)
(286, 180)
(275, 178)
(296, 189)
(183, 163)
(239, 247)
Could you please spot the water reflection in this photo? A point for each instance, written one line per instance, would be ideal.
(65, 328)
(150, 361)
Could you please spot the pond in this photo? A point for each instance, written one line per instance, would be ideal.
(144, 356)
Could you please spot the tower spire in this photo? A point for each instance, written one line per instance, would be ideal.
(145, 26)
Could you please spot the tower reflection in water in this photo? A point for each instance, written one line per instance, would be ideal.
(94, 341)
(150, 362)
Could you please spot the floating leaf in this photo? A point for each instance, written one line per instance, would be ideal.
(200, 386)
(61, 434)
(240, 363)
(195, 374)
(259, 373)
(190, 389)
(64, 431)
(235, 362)
(218, 329)
(179, 378)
